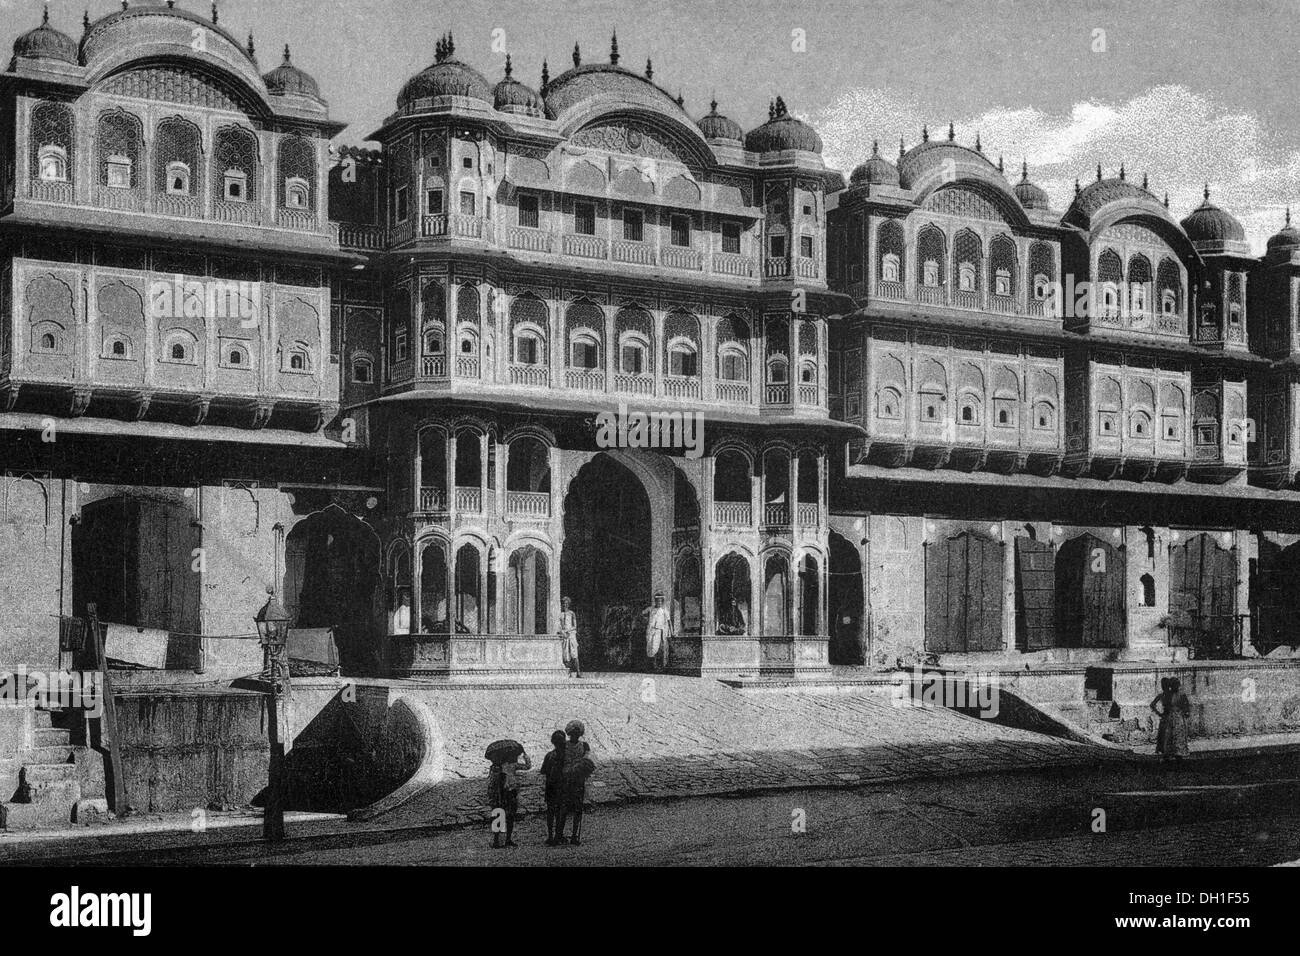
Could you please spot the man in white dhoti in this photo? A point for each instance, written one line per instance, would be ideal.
(401, 616)
(569, 633)
(657, 632)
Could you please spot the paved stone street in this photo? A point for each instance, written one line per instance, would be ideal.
(665, 736)
(1155, 816)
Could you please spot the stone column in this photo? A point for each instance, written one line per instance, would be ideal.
(610, 355)
(1009, 535)
(658, 353)
(451, 478)
(1245, 547)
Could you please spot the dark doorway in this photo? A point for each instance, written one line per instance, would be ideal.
(1035, 594)
(1275, 596)
(1202, 597)
(605, 564)
(331, 573)
(963, 594)
(132, 557)
(844, 600)
(1090, 593)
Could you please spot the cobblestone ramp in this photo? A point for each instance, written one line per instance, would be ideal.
(679, 737)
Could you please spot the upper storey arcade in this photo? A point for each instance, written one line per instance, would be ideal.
(159, 122)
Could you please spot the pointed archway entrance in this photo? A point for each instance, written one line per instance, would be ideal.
(606, 563)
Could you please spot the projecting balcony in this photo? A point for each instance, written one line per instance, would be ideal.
(733, 264)
(533, 375)
(776, 267)
(776, 515)
(585, 247)
(808, 394)
(585, 379)
(809, 515)
(893, 291)
(469, 501)
(638, 253)
(467, 366)
(966, 299)
(529, 239)
(455, 225)
(733, 514)
(732, 392)
(355, 235)
(433, 366)
(528, 504)
(433, 500)
(634, 384)
(43, 191)
(676, 257)
(681, 386)
(776, 394)
(806, 268)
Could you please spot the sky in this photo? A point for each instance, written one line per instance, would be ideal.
(1185, 92)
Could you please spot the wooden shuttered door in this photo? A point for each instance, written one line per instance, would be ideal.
(1202, 595)
(1090, 593)
(1035, 594)
(963, 595)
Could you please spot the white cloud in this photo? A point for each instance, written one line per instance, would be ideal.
(1179, 138)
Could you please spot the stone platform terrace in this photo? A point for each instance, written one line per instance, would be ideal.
(664, 736)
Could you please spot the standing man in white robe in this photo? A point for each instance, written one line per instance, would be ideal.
(569, 632)
(658, 630)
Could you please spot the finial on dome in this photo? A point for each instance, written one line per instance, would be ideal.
(1288, 215)
(577, 55)
(509, 68)
(780, 107)
(1001, 168)
(286, 53)
(681, 100)
(613, 48)
(45, 17)
(1166, 199)
(546, 75)
(902, 150)
(85, 22)
(1024, 171)
(1207, 192)
(979, 147)
(1145, 183)
(925, 133)
(125, 4)
(1077, 188)
(214, 12)
(952, 133)
(771, 110)
(875, 148)
(713, 106)
(649, 69)
(451, 45)
(1099, 172)
(1122, 177)
(252, 50)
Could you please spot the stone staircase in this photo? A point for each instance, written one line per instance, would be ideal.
(42, 782)
(1102, 714)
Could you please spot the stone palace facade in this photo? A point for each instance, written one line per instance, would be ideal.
(378, 380)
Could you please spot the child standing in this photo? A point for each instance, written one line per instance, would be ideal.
(553, 774)
(577, 768)
(503, 793)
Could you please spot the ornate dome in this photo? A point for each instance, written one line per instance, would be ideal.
(1287, 239)
(446, 77)
(287, 80)
(1210, 224)
(876, 170)
(47, 43)
(928, 153)
(781, 132)
(1089, 200)
(511, 96)
(1030, 195)
(716, 126)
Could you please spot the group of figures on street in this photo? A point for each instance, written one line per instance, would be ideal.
(658, 632)
(1173, 708)
(565, 770)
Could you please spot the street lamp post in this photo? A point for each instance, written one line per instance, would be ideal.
(273, 633)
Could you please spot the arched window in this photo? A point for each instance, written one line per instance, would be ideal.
(363, 369)
(733, 349)
(119, 349)
(1044, 416)
(969, 409)
(889, 403)
(180, 346)
(967, 259)
(634, 333)
(731, 477)
(584, 323)
(177, 153)
(529, 320)
(467, 318)
(433, 341)
(528, 467)
(296, 160)
(1139, 283)
(890, 250)
(1170, 287)
(48, 342)
(52, 142)
(1148, 591)
(120, 141)
(236, 357)
(1002, 266)
(778, 370)
(930, 246)
(1110, 274)
(682, 334)
(733, 365)
(1042, 266)
(235, 155)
